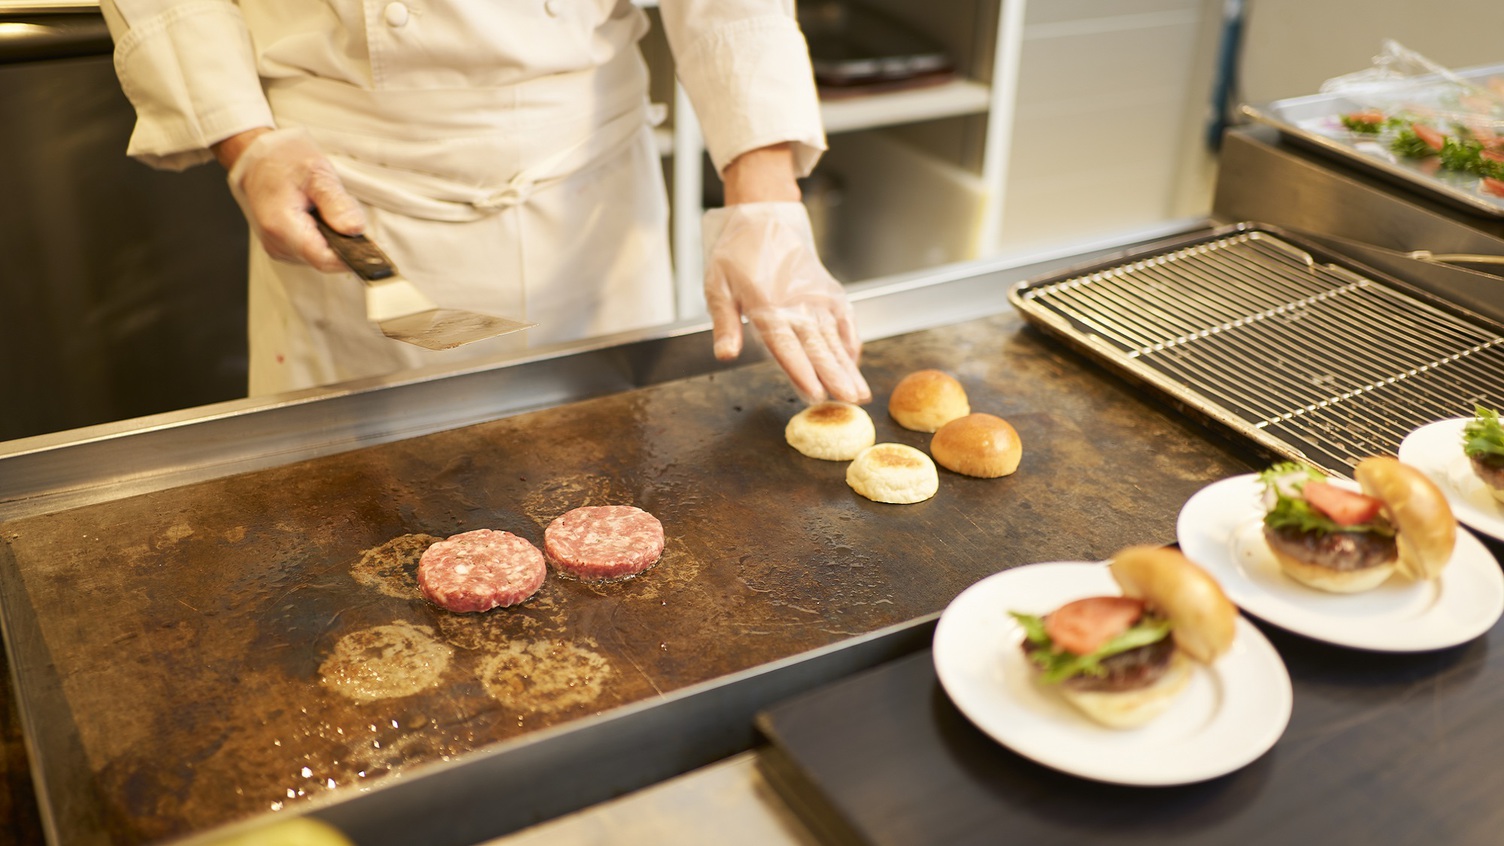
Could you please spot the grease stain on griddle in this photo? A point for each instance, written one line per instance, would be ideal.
(385, 662)
(392, 567)
(546, 501)
(545, 676)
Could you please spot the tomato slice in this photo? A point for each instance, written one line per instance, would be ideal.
(1432, 137)
(1493, 186)
(1085, 625)
(1345, 507)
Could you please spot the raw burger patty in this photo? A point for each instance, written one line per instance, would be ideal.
(601, 543)
(480, 570)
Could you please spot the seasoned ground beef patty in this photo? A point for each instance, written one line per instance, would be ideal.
(480, 570)
(604, 543)
(1344, 551)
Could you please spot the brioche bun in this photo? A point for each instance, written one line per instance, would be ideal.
(1425, 528)
(831, 431)
(1126, 709)
(1202, 618)
(925, 400)
(1331, 579)
(895, 473)
(978, 445)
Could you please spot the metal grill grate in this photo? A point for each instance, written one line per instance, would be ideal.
(1301, 353)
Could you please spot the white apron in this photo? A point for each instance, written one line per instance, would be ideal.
(541, 201)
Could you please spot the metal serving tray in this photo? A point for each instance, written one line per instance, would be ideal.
(1311, 355)
(1315, 120)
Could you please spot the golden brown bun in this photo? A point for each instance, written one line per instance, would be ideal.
(1331, 579)
(978, 445)
(925, 400)
(1126, 709)
(1425, 528)
(833, 431)
(895, 473)
(1203, 619)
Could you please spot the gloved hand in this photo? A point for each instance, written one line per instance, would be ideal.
(760, 261)
(276, 180)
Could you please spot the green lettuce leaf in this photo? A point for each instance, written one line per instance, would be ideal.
(1057, 665)
(1295, 513)
(1483, 436)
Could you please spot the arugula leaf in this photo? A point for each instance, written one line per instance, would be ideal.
(1366, 123)
(1057, 664)
(1483, 436)
(1461, 155)
(1409, 145)
(1360, 123)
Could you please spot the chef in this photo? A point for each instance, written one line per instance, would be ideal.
(500, 151)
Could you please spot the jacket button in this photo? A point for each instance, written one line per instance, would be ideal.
(396, 15)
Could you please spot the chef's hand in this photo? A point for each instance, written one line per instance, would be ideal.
(277, 176)
(761, 262)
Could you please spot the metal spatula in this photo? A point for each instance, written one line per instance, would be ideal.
(400, 310)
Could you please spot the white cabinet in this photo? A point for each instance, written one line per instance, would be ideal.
(1066, 120)
(1109, 127)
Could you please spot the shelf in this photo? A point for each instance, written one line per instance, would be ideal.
(889, 108)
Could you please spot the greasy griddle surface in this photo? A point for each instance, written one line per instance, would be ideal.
(195, 634)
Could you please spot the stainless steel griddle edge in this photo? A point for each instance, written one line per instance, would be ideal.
(64, 470)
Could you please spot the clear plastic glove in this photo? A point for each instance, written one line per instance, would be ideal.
(276, 180)
(760, 261)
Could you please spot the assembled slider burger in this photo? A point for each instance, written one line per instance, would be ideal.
(1328, 537)
(1483, 444)
(1122, 660)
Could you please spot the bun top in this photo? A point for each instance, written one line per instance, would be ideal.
(978, 445)
(925, 400)
(1425, 528)
(1203, 619)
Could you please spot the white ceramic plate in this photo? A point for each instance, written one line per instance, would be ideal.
(1436, 450)
(1229, 714)
(1221, 528)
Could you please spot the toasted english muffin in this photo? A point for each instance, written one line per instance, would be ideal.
(893, 473)
(832, 431)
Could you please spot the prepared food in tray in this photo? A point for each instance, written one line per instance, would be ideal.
(1410, 118)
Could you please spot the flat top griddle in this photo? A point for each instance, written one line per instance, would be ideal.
(177, 651)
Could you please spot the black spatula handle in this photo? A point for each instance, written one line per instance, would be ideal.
(363, 256)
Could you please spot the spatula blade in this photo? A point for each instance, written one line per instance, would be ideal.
(447, 328)
(403, 312)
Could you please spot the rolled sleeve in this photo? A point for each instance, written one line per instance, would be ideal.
(746, 69)
(189, 70)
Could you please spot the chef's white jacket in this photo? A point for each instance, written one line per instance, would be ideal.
(501, 148)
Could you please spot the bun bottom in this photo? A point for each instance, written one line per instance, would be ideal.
(1127, 709)
(1492, 476)
(1334, 581)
